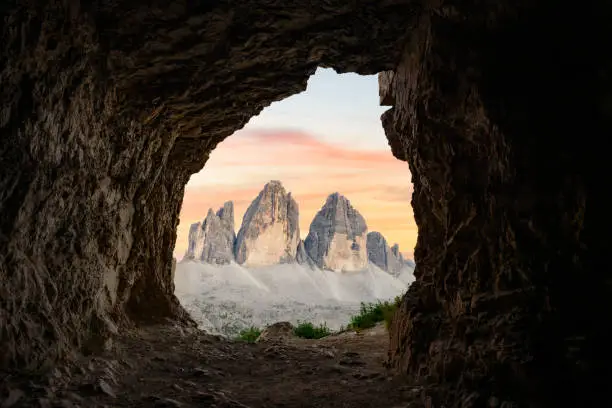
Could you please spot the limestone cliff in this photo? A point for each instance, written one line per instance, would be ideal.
(302, 256)
(380, 254)
(337, 236)
(270, 231)
(212, 240)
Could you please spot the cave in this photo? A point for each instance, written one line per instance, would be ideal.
(501, 110)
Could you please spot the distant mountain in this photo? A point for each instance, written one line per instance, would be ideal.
(337, 240)
(212, 240)
(337, 236)
(270, 232)
(380, 254)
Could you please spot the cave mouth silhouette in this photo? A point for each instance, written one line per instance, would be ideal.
(328, 138)
(499, 109)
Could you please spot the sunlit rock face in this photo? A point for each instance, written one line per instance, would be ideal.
(212, 240)
(270, 232)
(380, 254)
(337, 236)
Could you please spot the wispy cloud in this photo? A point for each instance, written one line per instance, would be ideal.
(377, 184)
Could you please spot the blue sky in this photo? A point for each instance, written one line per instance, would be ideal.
(341, 109)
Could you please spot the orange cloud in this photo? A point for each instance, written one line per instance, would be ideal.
(377, 184)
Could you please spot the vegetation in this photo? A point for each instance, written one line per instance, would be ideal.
(369, 315)
(372, 313)
(249, 335)
(307, 330)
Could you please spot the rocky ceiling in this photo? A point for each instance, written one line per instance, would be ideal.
(500, 108)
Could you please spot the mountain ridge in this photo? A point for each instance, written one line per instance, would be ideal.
(338, 238)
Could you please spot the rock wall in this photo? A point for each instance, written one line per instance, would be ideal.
(337, 236)
(107, 108)
(212, 240)
(501, 109)
(270, 230)
(500, 113)
(387, 258)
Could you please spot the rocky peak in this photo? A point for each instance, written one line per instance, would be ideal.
(212, 240)
(380, 254)
(226, 214)
(337, 236)
(269, 233)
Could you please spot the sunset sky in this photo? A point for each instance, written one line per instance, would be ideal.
(326, 139)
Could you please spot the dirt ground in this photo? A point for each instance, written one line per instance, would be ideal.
(165, 366)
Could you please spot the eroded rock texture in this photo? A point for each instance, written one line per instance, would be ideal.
(212, 240)
(501, 108)
(107, 108)
(380, 254)
(270, 230)
(500, 112)
(336, 239)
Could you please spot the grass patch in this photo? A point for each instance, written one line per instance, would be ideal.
(308, 330)
(249, 335)
(372, 313)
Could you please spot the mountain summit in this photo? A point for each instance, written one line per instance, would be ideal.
(270, 231)
(212, 240)
(337, 236)
(380, 254)
(337, 240)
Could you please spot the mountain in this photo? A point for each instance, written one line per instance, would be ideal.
(225, 299)
(212, 240)
(337, 240)
(270, 232)
(387, 258)
(337, 236)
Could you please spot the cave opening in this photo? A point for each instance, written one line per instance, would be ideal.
(500, 109)
(327, 139)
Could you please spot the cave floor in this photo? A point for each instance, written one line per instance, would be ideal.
(166, 366)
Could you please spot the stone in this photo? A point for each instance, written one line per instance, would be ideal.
(302, 257)
(129, 110)
(337, 236)
(499, 109)
(106, 388)
(270, 231)
(13, 398)
(505, 256)
(387, 258)
(280, 331)
(212, 240)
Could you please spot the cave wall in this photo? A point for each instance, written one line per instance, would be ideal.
(501, 110)
(107, 109)
(503, 113)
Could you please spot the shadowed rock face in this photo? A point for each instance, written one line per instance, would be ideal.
(212, 240)
(337, 236)
(501, 110)
(380, 254)
(501, 130)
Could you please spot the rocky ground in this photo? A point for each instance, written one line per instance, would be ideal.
(166, 366)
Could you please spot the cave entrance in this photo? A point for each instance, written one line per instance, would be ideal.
(300, 150)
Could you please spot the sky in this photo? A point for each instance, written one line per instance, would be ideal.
(326, 139)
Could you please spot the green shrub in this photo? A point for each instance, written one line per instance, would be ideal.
(310, 331)
(249, 335)
(372, 313)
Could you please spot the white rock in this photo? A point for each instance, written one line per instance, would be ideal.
(270, 232)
